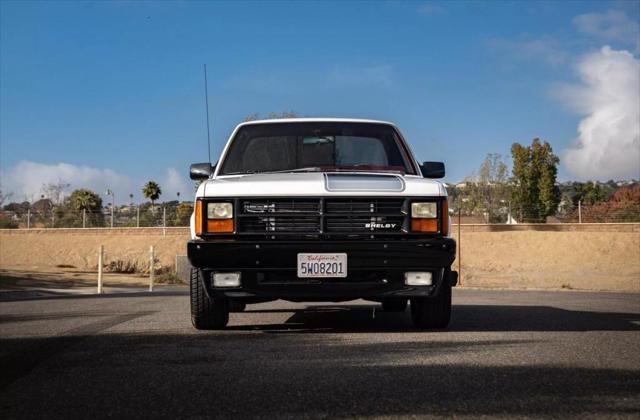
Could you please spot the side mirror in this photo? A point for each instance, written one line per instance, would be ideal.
(432, 169)
(201, 170)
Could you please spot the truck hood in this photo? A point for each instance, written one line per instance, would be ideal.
(319, 184)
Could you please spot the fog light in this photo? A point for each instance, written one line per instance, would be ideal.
(418, 278)
(226, 279)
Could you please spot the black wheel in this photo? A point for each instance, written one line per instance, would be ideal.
(237, 306)
(394, 305)
(206, 314)
(431, 313)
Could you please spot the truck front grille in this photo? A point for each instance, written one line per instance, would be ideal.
(364, 224)
(266, 206)
(279, 224)
(369, 206)
(331, 216)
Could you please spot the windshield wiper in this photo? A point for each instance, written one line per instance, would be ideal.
(240, 173)
(305, 169)
(284, 171)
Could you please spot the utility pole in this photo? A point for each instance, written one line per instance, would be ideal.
(113, 203)
(164, 221)
(28, 218)
(138, 216)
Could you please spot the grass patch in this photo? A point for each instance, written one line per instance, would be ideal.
(168, 278)
(121, 266)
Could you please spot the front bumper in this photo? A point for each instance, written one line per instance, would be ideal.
(375, 268)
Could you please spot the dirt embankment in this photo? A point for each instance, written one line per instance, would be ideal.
(583, 257)
(571, 260)
(79, 248)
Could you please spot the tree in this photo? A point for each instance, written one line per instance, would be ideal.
(588, 193)
(83, 207)
(19, 209)
(492, 186)
(152, 191)
(42, 206)
(6, 222)
(183, 214)
(4, 196)
(622, 206)
(535, 194)
(42, 211)
(485, 192)
(84, 199)
(55, 191)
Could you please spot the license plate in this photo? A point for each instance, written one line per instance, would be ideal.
(322, 265)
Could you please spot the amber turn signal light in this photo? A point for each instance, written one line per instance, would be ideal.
(424, 225)
(198, 217)
(445, 217)
(220, 226)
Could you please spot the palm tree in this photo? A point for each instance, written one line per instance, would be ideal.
(152, 191)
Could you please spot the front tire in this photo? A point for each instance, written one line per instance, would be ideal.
(433, 313)
(237, 306)
(394, 305)
(206, 313)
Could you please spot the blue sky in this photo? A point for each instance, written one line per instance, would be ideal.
(93, 90)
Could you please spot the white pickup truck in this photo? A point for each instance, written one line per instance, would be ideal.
(320, 210)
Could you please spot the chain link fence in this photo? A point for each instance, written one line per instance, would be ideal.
(505, 213)
(179, 215)
(127, 216)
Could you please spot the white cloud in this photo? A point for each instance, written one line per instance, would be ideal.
(26, 179)
(608, 145)
(381, 75)
(175, 183)
(613, 25)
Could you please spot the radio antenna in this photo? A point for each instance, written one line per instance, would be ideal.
(206, 101)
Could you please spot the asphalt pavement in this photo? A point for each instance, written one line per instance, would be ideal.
(506, 353)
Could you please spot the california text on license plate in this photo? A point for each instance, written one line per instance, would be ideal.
(322, 265)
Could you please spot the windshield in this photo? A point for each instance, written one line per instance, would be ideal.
(315, 147)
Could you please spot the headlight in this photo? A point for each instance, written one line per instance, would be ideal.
(424, 210)
(219, 211)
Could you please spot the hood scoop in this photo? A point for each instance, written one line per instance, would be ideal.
(363, 182)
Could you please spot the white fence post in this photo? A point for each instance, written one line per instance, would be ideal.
(164, 221)
(579, 211)
(151, 268)
(100, 258)
(84, 218)
(459, 246)
(28, 218)
(137, 216)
